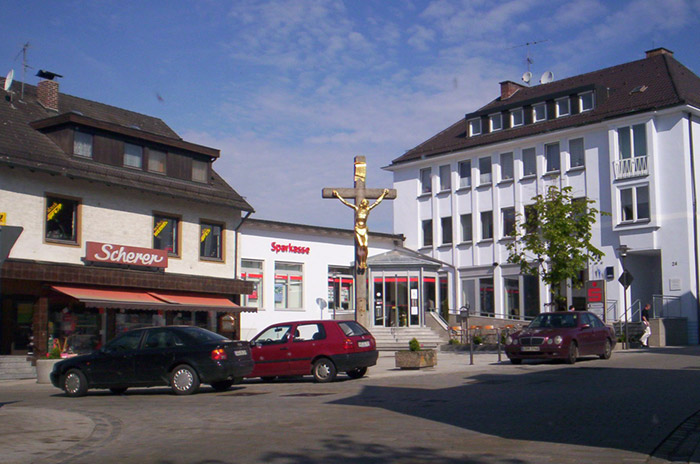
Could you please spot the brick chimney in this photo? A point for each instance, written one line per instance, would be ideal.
(659, 51)
(47, 94)
(508, 88)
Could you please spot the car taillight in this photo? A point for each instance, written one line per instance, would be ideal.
(347, 344)
(219, 354)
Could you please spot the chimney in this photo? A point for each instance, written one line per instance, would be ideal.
(508, 88)
(659, 51)
(47, 94)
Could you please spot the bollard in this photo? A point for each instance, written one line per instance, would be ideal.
(498, 334)
(471, 348)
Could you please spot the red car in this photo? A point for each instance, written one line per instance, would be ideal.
(319, 348)
(561, 335)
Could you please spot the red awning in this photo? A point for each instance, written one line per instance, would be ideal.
(135, 299)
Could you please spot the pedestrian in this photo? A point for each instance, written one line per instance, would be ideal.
(647, 329)
(572, 308)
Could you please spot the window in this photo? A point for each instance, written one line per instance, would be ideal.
(156, 161)
(552, 154)
(486, 225)
(210, 241)
(539, 112)
(516, 117)
(486, 296)
(82, 144)
(309, 333)
(562, 106)
(425, 186)
(484, 171)
(427, 232)
(529, 162)
(576, 153)
(275, 335)
(446, 225)
(133, 155)
(466, 223)
(289, 279)
(341, 291)
(632, 141)
(465, 174)
(634, 203)
(474, 126)
(166, 234)
(507, 166)
(531, 219)
(61, 220)
(496, 122)
(252, 271)
(200, 171)
(511, 288)
(586, 101)
(508, 221)
(445, 173)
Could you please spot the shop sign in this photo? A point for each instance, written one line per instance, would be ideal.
(595, 297)
(120, 254)
(289, 248)
(3, 218)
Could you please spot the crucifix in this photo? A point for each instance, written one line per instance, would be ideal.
(362, 207)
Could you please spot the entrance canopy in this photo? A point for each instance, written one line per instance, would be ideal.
(135, 299)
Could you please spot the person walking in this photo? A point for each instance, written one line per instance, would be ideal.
(647, 329)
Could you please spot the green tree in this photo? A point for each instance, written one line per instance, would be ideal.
(553, 239)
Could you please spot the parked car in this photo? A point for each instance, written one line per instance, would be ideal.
(179, 356)
(561, 335)
(318, 348)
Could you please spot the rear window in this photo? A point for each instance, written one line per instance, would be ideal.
(352, 328)
(198, 335)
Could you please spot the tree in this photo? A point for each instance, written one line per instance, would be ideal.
(553, 239)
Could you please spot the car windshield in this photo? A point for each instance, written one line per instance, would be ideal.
(199, 335)
(553, 320)
(275, 334)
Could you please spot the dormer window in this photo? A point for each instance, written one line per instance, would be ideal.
(496, 122)
(563, 107)
(474, 127)
(200, 171)
(516, 117)
(156, 161)
(133, 156)
(586, 101)
(539, 112)
(82, 144)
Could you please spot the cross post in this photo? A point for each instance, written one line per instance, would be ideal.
(362, 207)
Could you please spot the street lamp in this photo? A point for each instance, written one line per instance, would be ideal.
(623, 250)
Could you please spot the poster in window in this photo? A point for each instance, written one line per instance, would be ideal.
(279, 293)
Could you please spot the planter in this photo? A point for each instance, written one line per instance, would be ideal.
(44, 368)
(416, 359)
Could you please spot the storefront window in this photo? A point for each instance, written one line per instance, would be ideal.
(61, 219)
(210, 243)
(289, 279)
(166, 234)
(74, 330)
(252, 271)
(531, 292)
(486, 296)
(134, 319)
(444, 298)
(512, 297)
(340, 289)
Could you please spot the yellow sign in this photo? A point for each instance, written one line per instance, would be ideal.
(3, 218)
(159, 228)
(53, 210)
(205, 234)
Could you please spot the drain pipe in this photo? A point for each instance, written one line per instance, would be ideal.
(695, 217)
(237, 240)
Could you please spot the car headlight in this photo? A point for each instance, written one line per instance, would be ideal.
(558, 339)
(509, 340)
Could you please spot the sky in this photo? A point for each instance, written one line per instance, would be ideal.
(291, 91)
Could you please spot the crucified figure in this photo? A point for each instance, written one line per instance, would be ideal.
(361, 233)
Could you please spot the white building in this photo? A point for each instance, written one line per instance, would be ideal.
(627, 137)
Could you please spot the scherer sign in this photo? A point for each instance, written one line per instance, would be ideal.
(119, 254)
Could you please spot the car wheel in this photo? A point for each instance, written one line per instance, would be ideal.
(118, 391)
(357, 372)
(324, 370)
(222, 385)
(268, 379)
(516, 361)
(608, 350)
(184, 380)
(573, 353)
(75, 383)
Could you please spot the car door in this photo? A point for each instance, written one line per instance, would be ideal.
(601, 333)
(115, 363)
(152, 360)
(307, 342)
(271, 351)
(586, 335)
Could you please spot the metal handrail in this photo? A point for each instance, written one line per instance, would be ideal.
(665, 306)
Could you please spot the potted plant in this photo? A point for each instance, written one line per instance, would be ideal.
(415, 357)
(45, 366)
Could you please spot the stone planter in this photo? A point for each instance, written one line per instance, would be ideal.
(44, 368)
(415, 359)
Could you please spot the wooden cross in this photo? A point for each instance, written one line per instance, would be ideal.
(362, 207)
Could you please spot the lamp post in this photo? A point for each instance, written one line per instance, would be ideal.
(623, 250)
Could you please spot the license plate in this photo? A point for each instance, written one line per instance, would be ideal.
(240, 352)
(363, 344)
(530, 348)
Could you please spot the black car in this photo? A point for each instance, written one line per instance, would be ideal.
(179, 356)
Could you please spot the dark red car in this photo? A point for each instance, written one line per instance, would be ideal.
(319, 348)
(564, 335)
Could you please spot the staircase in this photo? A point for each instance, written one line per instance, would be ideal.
(397, 338)
(16, 367)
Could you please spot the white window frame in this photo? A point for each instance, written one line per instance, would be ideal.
(425, 176)
(466, 219)
(571, 155)
(427, 226)
(446, 230)
(474, 126)
(130, 152)
(465, 181)
(285, 288)
(633, 145)
(445, 174)
(557, 105)
(547, 157)
(512, 117)
(83, 144)
(258, 279)
(489, 215)
(534, 112)
(482, 179)
(507, 174)
(634, 204)
(581, 98)
(495, 122)
(200, 171)
(507, 221)
(533, 152)
(152, 155)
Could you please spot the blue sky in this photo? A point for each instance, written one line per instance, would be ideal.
(291, 90)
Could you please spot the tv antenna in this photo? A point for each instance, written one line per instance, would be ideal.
(23, 52)
(528, 57)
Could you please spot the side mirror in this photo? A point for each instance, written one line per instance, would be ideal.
(253, 344)
(586, 326)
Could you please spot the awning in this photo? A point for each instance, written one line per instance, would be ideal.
(134, 299)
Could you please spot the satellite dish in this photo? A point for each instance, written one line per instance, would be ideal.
(8, 80)
(547, 77)
(527, 76)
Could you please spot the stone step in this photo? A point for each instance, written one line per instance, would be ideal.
(394, 339)
(16, 367)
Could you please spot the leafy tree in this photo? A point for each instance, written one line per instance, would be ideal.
(553, 239)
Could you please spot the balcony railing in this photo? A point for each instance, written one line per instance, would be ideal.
(631, 167)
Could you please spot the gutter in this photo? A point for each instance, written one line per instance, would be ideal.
(693, 182)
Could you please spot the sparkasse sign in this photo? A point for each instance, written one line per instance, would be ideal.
(120, 254)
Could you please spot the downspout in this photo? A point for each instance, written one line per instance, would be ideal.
(695, 217)
(237, 241)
